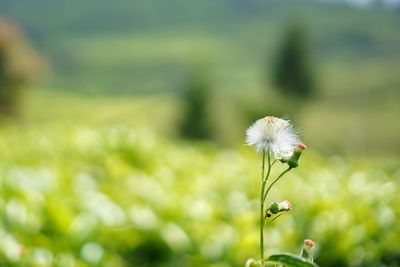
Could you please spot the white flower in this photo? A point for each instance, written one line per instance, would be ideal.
(273, 135)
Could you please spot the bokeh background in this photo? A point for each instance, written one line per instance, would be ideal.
(122, 130)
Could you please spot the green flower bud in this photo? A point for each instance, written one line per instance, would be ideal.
(272, 209)
(293, 161)
(275, 208)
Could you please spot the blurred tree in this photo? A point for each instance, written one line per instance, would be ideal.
(292, 70)
(196, 96)
(19, 65)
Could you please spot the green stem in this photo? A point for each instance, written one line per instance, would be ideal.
(262, 218)
(269, 167)
(264, 195)
(262, 209)
(263, 166)
(272, 184)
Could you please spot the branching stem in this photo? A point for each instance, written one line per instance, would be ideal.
(264, 194)
(272, 184)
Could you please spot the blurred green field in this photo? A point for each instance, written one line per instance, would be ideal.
(344, 123)
(80, 195)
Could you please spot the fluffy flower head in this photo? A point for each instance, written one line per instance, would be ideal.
(273, 135)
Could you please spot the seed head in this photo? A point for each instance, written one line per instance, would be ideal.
(273, 135)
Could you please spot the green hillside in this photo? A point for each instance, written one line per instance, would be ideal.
(144, 46)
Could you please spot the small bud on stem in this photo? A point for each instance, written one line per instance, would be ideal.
(275, 208)
(293, 161)
(306, 251)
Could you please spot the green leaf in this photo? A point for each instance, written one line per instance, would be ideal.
(290, 260)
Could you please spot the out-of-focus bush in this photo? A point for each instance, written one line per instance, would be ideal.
(207, 113)
(196, 96)
(20, 66)
(292, 68)
(116, 196)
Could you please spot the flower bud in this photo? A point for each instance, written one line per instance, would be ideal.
(293, 161)
(306, 251)
(275, 208)
(272, 209)
(308, 245)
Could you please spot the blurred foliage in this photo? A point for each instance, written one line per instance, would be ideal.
(292, 71)
(19, 65)
(367, 130)
(118, 196)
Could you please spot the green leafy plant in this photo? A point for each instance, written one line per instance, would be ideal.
(276, 140)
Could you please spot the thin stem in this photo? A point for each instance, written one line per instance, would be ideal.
(276, 180)
(263, 166)
(264, 195)
(262, 208)
(269, 167)
(262, 218)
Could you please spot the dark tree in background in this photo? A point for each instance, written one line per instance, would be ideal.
(19, 66)
(196, 123)
(292, 70)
